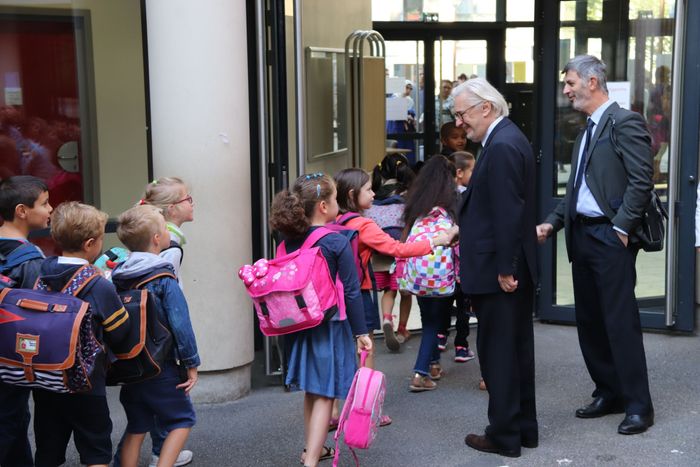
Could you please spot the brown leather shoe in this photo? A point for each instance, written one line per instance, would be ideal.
(483, 444)
(420, 383)
(482, 385)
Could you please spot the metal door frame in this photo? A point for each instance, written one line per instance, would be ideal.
(677, 311)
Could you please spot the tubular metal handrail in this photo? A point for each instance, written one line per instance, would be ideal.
(354, 56)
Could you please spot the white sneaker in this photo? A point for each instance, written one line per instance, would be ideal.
(184, 458)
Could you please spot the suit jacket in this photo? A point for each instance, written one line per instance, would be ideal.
(497, 217)
(620, 184)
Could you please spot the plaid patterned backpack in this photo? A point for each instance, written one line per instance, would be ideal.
(431, 275)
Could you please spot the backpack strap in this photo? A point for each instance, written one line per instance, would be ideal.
(77, 283)
(157, 274)
(25, 252)
(174, 244)
(310, 241)
(347, 217)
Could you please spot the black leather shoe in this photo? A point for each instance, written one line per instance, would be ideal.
(529, 443)
(600, 407)
(635, 424)
(483, 444)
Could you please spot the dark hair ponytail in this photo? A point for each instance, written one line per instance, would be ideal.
(393, 166)
(434, 186)
(291, 210)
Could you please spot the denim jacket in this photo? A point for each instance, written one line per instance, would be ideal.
(173, 310)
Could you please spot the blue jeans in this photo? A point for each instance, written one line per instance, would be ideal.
(15, 450)
(432, 312)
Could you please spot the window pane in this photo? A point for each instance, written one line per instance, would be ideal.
(447, 10)
(519, 53)
(648, 75)
(594, 10)
(405, 96)
(567, 10)
(520, 10)
(652, 9)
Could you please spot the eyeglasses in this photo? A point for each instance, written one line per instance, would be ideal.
(188, 199)
(460, 115)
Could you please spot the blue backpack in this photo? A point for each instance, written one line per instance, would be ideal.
(25, 252)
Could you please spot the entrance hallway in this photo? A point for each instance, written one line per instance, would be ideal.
(264, 429)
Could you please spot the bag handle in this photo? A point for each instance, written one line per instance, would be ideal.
(363, 357)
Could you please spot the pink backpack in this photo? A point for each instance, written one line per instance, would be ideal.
(353, 237)
(359, 420)
(294, 291)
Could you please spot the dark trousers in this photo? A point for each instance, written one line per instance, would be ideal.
(15, 450)
(461, 310)
(505, 343)
(607, 316)
(432, 310)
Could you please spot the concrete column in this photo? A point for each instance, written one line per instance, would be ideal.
(199, 118)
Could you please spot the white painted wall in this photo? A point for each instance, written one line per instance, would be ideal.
(199, 114)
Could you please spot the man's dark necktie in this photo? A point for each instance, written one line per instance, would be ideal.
(581, 169)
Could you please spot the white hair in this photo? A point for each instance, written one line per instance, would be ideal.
(479, 90)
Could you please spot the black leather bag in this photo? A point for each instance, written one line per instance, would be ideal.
(651, 231)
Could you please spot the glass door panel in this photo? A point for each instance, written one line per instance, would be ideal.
(645, 66)
(405, 88)
(455, 62)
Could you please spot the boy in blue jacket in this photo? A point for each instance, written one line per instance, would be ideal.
(78, 229)
(24, 207)
(143, 231)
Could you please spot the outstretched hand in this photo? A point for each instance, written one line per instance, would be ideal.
(544, 230)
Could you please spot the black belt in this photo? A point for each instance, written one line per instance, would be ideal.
(585, 220)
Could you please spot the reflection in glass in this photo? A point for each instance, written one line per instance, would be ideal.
(652, 9)
(447, 10)
(649, 70)
(40, 121)
(405, 86)
(519, 52)
(325, 102)
(520, 10)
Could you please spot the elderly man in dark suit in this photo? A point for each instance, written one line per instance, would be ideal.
(608, 191)
(498, 265)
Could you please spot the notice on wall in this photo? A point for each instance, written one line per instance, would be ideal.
(13, 91)
(13, 96)
(396, 108)
(619, 91)
(395, 85)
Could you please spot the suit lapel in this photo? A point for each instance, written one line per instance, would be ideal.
(600, 127)
(479, 162)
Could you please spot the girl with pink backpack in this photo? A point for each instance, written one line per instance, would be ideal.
(322, 359)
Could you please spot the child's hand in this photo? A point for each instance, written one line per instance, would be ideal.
(441, 238)
(191, 380)
(453, 232)
(364, 343)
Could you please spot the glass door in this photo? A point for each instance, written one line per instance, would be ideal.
(405, 98)
(640, 72)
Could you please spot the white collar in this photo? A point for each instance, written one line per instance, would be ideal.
(490, 129)
(72, 260)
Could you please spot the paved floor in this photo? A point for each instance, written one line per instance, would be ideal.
(264, 428)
